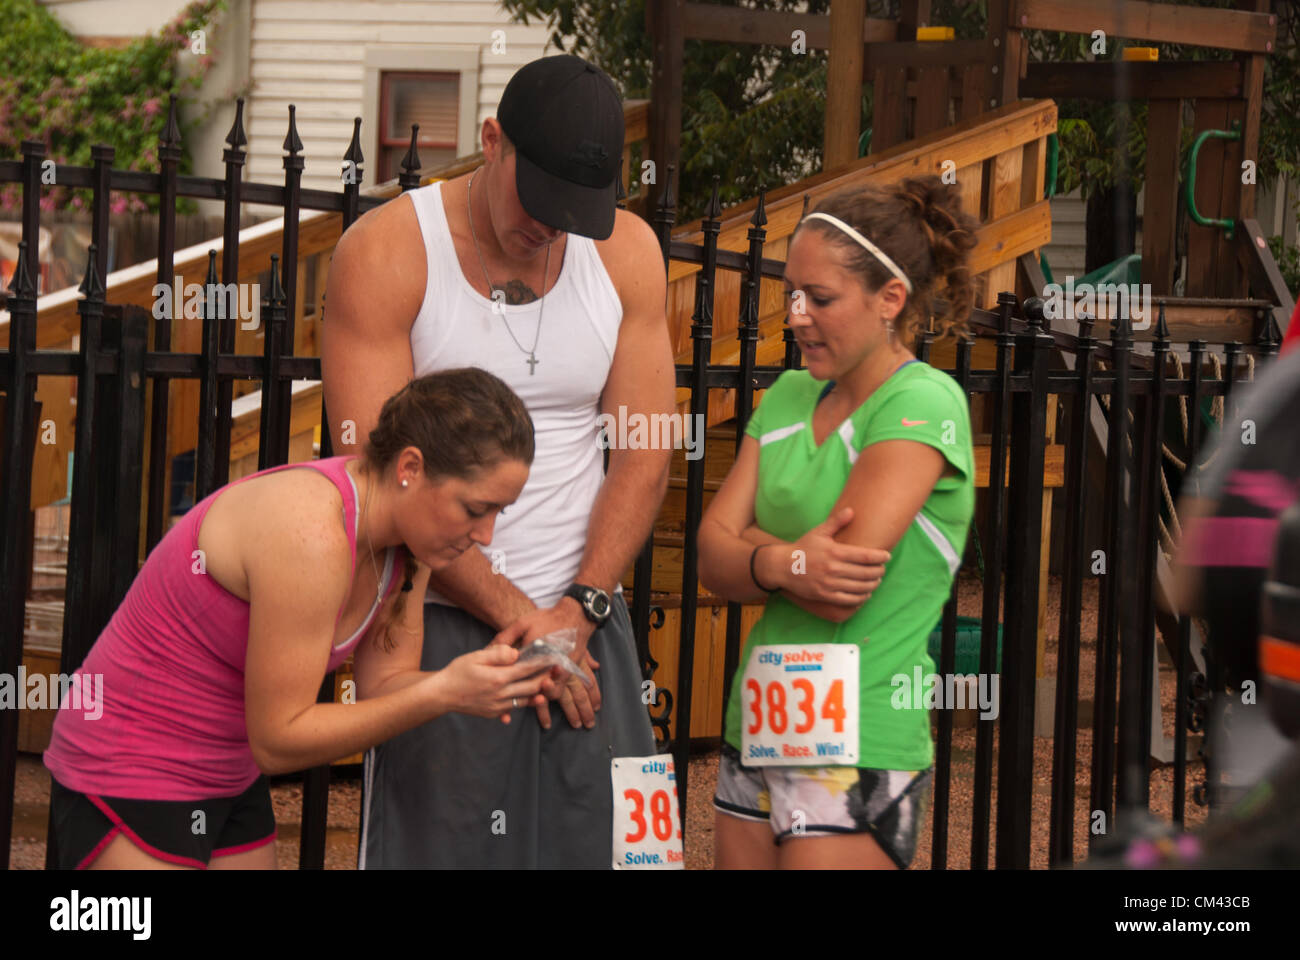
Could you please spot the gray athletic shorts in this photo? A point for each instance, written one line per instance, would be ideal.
(465, 791)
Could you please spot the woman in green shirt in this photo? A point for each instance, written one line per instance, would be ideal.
(846, 511)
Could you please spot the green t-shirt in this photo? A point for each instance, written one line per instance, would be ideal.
(798, 485)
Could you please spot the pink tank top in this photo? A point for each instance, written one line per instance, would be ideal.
(167, 723)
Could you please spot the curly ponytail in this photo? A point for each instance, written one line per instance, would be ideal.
(919, 223)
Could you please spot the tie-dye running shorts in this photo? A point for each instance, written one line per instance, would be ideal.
(824, 801)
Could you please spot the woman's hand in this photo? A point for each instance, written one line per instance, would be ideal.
(489, 683)
(819, 568)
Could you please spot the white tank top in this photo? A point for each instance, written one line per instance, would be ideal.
(537, 542)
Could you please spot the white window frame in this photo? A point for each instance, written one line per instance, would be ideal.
(430, 58)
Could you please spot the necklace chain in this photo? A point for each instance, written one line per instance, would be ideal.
(532, 360)
(365, 518)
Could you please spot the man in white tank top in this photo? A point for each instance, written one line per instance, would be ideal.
(523, 268)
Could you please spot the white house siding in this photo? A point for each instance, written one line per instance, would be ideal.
(313, 53)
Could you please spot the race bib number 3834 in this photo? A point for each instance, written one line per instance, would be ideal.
(801, 706)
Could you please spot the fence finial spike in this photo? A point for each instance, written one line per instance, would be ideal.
(1270, 336)
(1162, 327)
(411, 162)
(21, 284)
(759, 219)
(353, 155)
(276, 294)
(236, 138)
(171, 135)
(1007, 302)
(715, 208)
(291, 141)
(92, 287)
(666, 201)
(1121, 328)
(212, 268)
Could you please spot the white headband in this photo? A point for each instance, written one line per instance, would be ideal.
(879, 254)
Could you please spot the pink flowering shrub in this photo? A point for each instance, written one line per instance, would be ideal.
(71, 96)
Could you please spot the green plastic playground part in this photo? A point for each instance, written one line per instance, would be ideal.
(1125, 271)
(968, 645)
(1049, 175)
(1189, 180)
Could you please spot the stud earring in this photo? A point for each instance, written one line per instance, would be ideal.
(403, 483)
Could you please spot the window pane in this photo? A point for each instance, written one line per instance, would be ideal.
(431, 100)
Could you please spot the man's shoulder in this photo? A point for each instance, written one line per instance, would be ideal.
(382, 258)
(391, 228)
(629, 250)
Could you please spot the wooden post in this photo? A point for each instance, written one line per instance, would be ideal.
(1229, 281)
(933, 92)
(1202, 242)
(1160, 215)
(888, 111)
(1253, 91)
(912, 14)
(668, 43)
(1003, 82)
(844, 84)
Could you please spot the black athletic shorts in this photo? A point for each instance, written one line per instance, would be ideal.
(185, 832)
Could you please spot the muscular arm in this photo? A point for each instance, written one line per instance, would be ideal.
(375, 288)
(642, 381)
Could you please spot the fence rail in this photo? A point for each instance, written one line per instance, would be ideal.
(117, 484)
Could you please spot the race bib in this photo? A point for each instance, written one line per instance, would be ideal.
(647, 826)
(801, 706)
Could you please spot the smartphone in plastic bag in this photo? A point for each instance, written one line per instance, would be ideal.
(554, 650)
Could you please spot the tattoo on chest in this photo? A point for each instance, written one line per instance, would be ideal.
(517, 291)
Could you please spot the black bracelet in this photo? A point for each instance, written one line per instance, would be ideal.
(752, 575)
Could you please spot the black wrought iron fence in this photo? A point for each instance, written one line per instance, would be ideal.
(116, 436)
(1135, 387)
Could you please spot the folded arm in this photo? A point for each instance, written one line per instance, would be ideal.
(832, 569)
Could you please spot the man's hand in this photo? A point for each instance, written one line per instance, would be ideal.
(578, 702)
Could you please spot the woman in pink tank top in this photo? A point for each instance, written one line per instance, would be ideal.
(205, 678)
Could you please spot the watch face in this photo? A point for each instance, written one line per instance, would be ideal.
(600, 605)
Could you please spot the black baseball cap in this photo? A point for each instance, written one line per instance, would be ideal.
(565, 118)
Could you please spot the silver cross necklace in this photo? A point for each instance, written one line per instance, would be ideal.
(532, 360)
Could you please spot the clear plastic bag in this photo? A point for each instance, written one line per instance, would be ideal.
(554, 650)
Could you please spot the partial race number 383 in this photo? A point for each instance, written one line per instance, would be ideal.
(647, 822)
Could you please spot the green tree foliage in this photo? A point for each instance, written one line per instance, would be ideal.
(754, 114)
(71, 96)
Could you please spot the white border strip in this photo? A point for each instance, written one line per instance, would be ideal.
(940, 541)
(780, 434)
(846, 434)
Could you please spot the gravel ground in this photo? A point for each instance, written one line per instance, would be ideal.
(27, 850)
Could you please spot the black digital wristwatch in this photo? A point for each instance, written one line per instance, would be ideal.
(594, 601)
